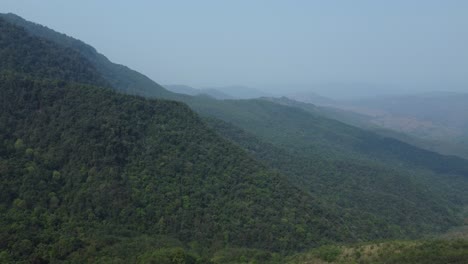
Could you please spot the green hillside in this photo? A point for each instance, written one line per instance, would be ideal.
(91, 175)
(309, 134)
(74, 154)
(370, 191)
(332, 134)
(23, 53)
(329, 151)
(85, 171)
(119, 76)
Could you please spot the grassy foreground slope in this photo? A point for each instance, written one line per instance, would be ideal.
(394, 252)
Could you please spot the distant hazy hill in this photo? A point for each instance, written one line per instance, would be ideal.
(184, 89)
(435, 121)
(438, 117)
(217, 94)
(310, 97)
(227, 92)
(240, 92)
(443, 112)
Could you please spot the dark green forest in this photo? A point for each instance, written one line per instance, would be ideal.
(366, 188)
(89, 174)
(76, 155)
(78, 159)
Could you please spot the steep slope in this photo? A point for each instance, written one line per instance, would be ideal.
(435, 121)
(23, 53)
(131, 78)
(120, 77)
(83, 168)
(365, 176)
(80, 153)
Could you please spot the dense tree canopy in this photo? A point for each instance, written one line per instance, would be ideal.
(89, 174)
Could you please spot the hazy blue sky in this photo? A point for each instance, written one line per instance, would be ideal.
(279, 44)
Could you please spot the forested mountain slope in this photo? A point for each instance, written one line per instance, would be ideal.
(119, 76)
(312, 134)
(400, 202)
(314, 137)
(306, 133)
(244, 113)
(146, 167)
(23, 53)
(78, 160)
(82, 154)
(331, 135)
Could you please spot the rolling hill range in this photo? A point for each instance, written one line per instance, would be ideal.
(78, 159)
(90, 169)
(70, 153)
(242, 113)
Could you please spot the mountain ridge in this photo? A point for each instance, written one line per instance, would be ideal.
(78, 159)
(74, 149)
(119, 76)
